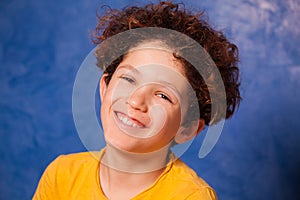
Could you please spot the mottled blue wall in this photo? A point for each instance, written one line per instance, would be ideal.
(42, 44)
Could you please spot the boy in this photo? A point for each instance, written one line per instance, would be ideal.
(150, 97)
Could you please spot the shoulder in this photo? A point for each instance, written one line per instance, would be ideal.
(77, 158)
(189, 183)
(66, 174)
(179, 181)
(73, 160)
(184, 173)
(73, 163)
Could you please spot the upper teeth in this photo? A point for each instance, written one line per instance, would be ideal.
(128, 122)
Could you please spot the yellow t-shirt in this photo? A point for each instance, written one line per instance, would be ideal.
(76, 176)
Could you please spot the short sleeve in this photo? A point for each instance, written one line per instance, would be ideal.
(46, 188)
(206, 193)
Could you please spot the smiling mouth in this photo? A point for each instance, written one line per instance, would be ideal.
(126, 120)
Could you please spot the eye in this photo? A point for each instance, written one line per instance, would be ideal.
(128, 79)
(163, 96)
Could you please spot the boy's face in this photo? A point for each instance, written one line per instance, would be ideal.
(143, 105)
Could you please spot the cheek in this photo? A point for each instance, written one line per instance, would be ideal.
(107, 96)
(104, 109)
(174, 120)
(176, 114)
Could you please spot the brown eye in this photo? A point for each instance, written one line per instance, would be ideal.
(164, 97)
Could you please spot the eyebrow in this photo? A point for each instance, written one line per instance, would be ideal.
(130, 67)
(170, 85)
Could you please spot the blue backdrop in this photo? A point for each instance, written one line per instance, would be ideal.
(42, 44)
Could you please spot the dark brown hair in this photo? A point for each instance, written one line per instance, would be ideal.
(176, 17)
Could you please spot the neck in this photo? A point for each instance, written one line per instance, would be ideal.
(128, 162)
(129, 173)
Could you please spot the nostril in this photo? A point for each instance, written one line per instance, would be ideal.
(137, 104)
(139, 98)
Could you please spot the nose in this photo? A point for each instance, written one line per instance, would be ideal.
(138, 99)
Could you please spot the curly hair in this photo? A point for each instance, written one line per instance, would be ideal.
(176, 17)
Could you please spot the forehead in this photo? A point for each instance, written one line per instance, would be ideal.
(152, 53)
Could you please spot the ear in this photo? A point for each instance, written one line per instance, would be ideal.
(102, 86)
(186, 134)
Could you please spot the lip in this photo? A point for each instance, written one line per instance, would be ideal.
(127, 121)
